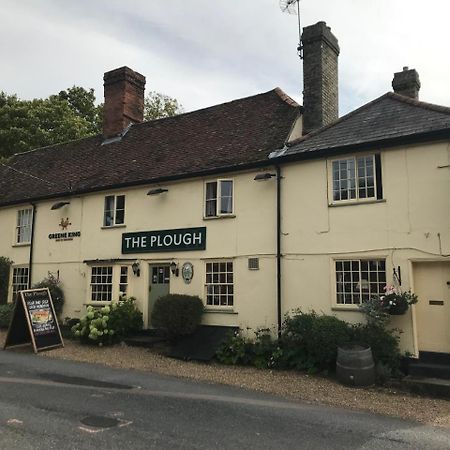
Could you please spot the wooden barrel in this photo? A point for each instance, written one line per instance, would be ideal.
(355, 366)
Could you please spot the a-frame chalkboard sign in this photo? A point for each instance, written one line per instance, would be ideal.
(34, 322)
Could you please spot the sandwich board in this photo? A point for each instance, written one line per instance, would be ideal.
(34, 322)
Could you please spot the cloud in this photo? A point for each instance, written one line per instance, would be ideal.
(204, 52)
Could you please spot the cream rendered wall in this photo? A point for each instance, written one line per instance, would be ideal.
(412, 223)
(250, 232)
(407, 225)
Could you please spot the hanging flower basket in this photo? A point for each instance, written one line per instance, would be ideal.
(398, 310)
(396, 302)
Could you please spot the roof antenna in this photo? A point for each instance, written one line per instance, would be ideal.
(293, 7)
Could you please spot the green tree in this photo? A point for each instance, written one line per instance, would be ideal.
(71, 114)
(158, 106)
(28, 124)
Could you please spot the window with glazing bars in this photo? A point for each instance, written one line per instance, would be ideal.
(19, 280)
(219, 283)
(114, 210)
(101, 284)
(23, 228)
(358, 280)
(218, 198)
(123, 285)
(357, 178)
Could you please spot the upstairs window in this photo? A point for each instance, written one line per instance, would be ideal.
(114, 210)
(23, 228)
(218, 198)
(356, 179)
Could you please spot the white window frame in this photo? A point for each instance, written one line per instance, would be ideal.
(13, 283)
(358, 198)
(116, 283)
(108, 268)
(218, 198)
(349, 259)
(210, 281)
(23, 229)
(114, 211)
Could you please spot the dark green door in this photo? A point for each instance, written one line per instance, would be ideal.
(159, 285)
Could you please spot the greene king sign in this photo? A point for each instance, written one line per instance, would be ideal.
(181, 239)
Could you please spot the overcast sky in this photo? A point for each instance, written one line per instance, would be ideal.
(206, 52)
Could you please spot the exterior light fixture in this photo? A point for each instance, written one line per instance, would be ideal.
(174, 268)
(157, 191)
(136, 267)
(59, 205)
(264, 176)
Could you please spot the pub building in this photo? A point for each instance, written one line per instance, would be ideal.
(259, 205)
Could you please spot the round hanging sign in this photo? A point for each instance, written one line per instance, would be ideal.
(187, 272)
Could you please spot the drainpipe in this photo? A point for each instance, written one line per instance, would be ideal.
(278, 171)
(30, 264)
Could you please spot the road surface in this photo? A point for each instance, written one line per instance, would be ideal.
(55, 404)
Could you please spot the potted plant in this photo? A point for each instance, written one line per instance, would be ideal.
(396, 302)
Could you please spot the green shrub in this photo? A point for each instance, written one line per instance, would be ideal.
(310, 341)
(178, 314)
(5, 267)
(235, 350)
(54, 286)
(107, 325)
(385, 347)
(262, 352)
(6, 314)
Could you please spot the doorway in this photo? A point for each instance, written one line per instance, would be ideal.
(159, 285)
(432, 286)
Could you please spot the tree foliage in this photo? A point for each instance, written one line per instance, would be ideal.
(28, 124)
(71, 114)
(158, 106)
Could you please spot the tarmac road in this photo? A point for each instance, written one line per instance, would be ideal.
(55, 404)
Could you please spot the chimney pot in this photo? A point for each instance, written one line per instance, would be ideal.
(124, 100)
(407, 83)
(320, 75)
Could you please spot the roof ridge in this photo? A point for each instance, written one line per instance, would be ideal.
(286, 98)
(337, 121)
(248, 97)
(419, 103)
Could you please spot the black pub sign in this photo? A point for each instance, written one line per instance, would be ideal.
(181, 239)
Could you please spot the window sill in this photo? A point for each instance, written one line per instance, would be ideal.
(353, 203)
(220, 311)
(102, 303)
(224, 216)
(22, 244)
(353, 308)
(113, 226)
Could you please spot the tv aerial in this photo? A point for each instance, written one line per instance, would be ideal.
(293, 7)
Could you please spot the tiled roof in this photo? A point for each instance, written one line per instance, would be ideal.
(233, 134)
(387, 119)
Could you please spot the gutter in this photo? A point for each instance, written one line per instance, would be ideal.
(30, 262)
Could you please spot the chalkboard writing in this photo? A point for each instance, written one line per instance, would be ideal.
(40, 327)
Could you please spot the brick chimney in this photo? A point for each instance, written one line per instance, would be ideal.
(320, 77)
(407, 83)
(124, 100)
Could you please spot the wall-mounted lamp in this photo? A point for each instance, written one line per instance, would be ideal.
(59, 205)
(264, 176)
(174, 268)
(136, 267)
(157, 191)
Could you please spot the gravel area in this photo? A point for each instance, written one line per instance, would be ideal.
(291, 385)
